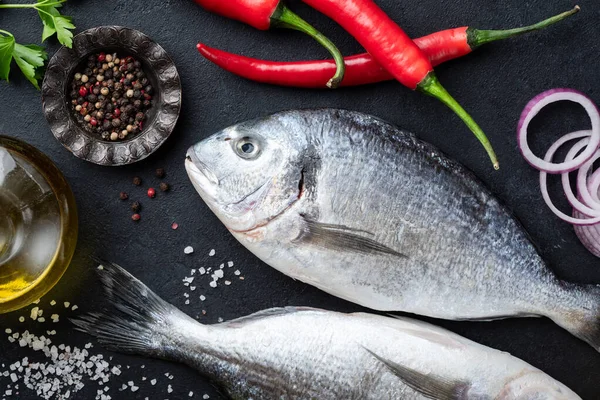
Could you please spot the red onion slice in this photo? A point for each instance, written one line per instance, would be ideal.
(579, 219)
(535, 106)
(581, 206)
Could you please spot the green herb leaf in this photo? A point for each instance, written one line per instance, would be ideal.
(30, 59)
(7, 46)
(55, 23)
(62, 25)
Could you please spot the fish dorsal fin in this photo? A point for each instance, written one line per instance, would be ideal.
(430, 386)
(342, 238)
(271, 312)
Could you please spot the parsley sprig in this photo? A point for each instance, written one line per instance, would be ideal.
(31, 58)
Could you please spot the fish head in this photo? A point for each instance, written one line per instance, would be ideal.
(250, 173)
(536, 385)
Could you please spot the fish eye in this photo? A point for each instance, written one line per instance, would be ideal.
(247, 148)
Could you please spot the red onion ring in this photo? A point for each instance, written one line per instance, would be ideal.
(535, 106)
(581, 206)
(579, 219)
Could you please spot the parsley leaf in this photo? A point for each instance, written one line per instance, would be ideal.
(30, 59)
(55, 23)
(7, 46)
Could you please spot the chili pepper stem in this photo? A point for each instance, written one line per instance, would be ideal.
(432, 86)
(283, 17)
(478, 37)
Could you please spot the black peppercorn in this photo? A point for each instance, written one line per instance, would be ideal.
(136, 207)
(144, 81)
(116, 122)
(164, 187)
(139, 116)
(137, 64)
(137, 94)
(137, 104)
(80, 100)
(148, 89)
(123, 196)
(127, 82)
(140, 75)
(92, 98)
(137, 181)
(137, 86)
(160, 173)
(96, 91)
(106, 124)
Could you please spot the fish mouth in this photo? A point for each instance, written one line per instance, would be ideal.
(198, 172)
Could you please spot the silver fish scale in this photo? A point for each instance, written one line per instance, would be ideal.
(466, 256)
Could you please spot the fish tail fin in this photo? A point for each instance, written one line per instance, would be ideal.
(582, 317)
(137, 321)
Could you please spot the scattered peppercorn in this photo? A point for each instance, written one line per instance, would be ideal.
(160, 173)
(136, 207)
(137, 181)
(151, 193)
(123, 196)
(110, 96)
(136, 217)
(164, 187)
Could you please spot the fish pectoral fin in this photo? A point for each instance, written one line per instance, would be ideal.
(342, 238)
(431, 386)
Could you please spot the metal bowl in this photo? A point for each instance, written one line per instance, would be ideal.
(160, 120)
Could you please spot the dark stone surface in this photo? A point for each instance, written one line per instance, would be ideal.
(494, 84)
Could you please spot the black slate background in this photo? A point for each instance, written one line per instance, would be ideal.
(493, 84)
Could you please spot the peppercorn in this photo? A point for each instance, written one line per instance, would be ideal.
(117, 112)
(104, 91)
(160, 173)
(164, 187)
(151, 193)
(130, 93)
(92, 98)
(116, 122)
(147, 103)
(96, 91)
(114, 136)
(83, 91)
(93, 121)
(123, 196)
(148, 90)
(136, 207)
(101, 57)
(137, 181)
(137, 64)
(87, 118)
(139, 116)
(136, 217)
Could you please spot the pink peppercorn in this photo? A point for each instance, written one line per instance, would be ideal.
(136, 217)
(101, 57)
(93, 122)
(83, 91)
(117, 112)
(151, 193)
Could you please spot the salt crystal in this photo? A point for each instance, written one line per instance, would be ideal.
(153, 382)
(188, 250)
(212, 253)
(227, 283)
(67, 304)
(74, 308)
(134, 388)
(187, 302)
(54, 318)
(206, 397)
(191, 394)
(8, 331)
(202, 270)
(229, 264)
(221, 266)
(53, 303)
(41, 319)
(21, 319)
(130, 383)
(213, 284)
(100, 267)
(34, 313)
(219, 273)
(186, 295)
(169, 389)
(237, 272)
(202, 297)
(192, 272)
(220, 319)
(192, 288)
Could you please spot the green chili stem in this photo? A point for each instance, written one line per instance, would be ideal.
(6, 33)
(432, 86)
(283, 17)
(476, 37)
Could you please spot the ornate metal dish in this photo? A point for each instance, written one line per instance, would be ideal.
(161, 119)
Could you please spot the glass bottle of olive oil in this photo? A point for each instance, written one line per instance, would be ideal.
(38, 224)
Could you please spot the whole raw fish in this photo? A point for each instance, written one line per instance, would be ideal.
(303, 353)
(369, 213)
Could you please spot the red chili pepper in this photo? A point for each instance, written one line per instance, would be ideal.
(391, 47)
(266, 14)
(362, 69)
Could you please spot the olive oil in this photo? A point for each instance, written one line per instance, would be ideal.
(38, 224)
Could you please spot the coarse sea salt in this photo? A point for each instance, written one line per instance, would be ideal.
(188, 250)
(212, 253)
